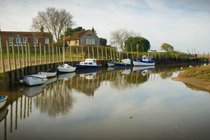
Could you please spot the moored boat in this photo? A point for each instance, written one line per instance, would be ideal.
(66, 68)
(89, 63)
(111, 63)
(49, 73)
(34, 80)
(127, 62)
(3, 100)
(145, 61)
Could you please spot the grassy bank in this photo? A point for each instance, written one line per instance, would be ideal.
(196, 76)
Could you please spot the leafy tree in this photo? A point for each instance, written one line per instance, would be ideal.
(167, 47)
(54, 21)
(118, 37)
(103, 41)
(70, 31)
(137, 43)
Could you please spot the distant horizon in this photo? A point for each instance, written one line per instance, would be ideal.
(183, 24)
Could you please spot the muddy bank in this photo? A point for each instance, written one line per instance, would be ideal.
(199, 83)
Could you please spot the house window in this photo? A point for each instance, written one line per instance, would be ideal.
(11, 39)
(18, 40)
(36, 41)
(47, 40)
(90, 41)
(25, 40)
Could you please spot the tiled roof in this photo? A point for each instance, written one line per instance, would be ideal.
(77, 35)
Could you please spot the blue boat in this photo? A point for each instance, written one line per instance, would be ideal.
(145, 61)
(89, 63)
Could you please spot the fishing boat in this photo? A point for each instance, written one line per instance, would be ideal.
(49, 73)
(127, 62)
(145, 61)
(34, 80)
(89, 63)
(66, 68)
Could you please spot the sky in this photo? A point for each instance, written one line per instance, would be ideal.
(184, 24)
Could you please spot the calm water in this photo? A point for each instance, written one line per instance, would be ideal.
(108, 104)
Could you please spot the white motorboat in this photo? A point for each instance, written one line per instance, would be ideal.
(127, 62)
(49, 73)
(145, 61)
(65, 68)
(34, 80)
(89, 63)
(110, 63)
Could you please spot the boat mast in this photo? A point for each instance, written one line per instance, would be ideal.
(64, 46)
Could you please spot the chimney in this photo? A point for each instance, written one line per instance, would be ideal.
(42, 29)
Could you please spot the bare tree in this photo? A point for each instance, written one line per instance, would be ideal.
(118, 37)
(54, 21)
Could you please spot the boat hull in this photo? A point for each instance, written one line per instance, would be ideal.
(65, 68)
(49, 74)
(142, 63)
(81, 67)
(33, 81)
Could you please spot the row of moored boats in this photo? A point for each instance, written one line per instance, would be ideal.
(41, 77)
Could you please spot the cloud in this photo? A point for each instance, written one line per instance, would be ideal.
(181, 23)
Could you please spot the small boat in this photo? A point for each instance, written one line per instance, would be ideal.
(49, 73)
(34, 80)
(66, 68)
(3, 100)
(127, 62)
(111, 63)
(89, 63)
(145, 61)
(119, 64)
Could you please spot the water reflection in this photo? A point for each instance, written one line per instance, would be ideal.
(61, 97)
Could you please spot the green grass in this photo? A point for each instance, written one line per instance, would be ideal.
(201, 72)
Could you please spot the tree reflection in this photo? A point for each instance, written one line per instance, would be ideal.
(55, 100)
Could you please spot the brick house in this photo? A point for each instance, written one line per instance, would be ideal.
(23, 38)
(87, 37)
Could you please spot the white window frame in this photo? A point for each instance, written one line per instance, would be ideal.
(47, 40)
(36, 40)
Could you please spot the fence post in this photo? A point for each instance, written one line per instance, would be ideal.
(8, 56)
(2, 61)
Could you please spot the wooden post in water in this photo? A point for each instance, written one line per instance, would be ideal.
(93, 55)
(59, 55)
(56, 49)
(40, 54)
(49, 55)
(88, 52)
(45, 57)
(106, 53)
(97, 52)
(13, 57)
(35, 53)
(53, 53)
(29, 55)
(26, 55)
(8, 56)
(77, 53)
(102, 53)
(2, 61)
(83, 55)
